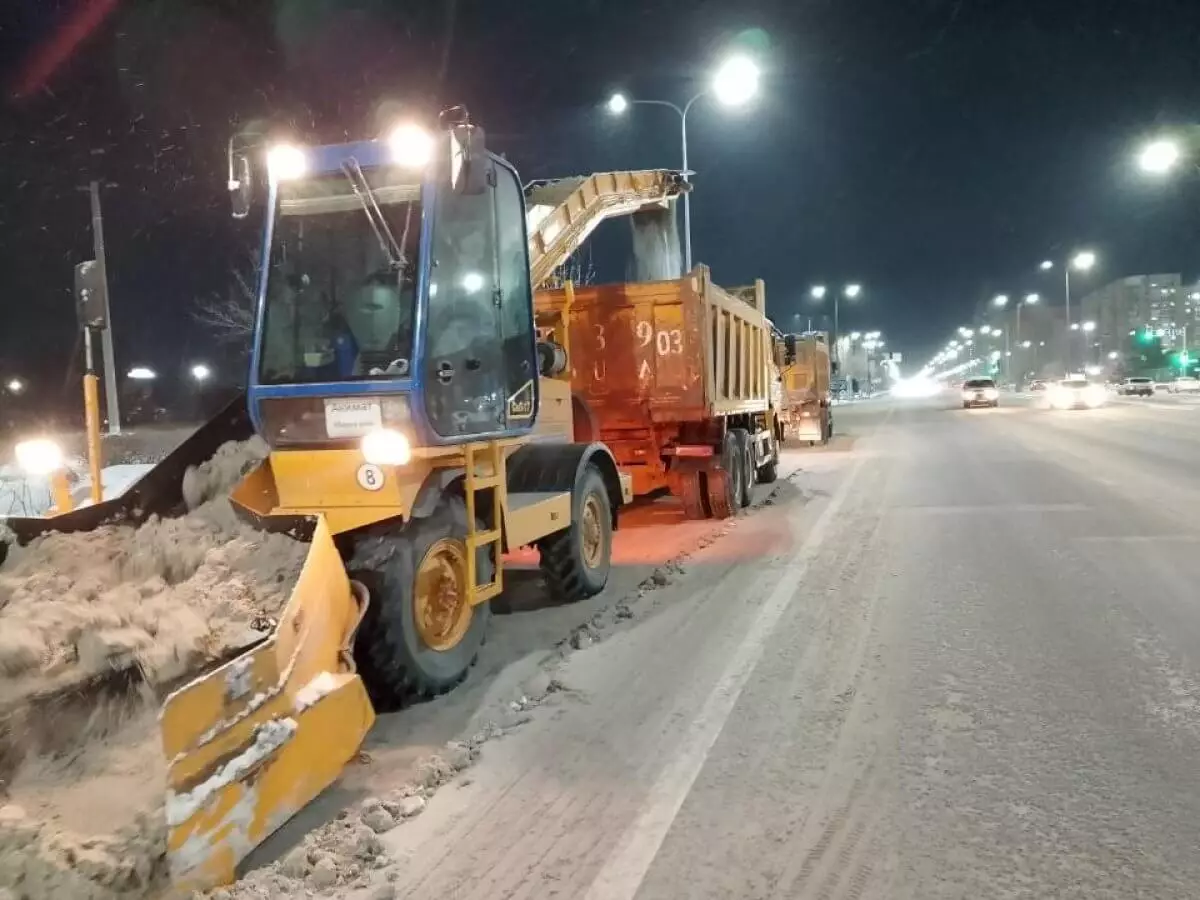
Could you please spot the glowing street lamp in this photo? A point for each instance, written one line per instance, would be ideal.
(15, 386)
(201, 373)
(1159, 157)
(1000, 300)
(142, 373)
(852, 291)
(817, 292)
(734, 83)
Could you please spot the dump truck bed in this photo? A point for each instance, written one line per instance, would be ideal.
(807, 379)
(663, 352)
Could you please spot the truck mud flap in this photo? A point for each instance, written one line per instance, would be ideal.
(157, 493)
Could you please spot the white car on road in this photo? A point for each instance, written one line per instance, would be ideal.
(1076, 393)
(1184, 385)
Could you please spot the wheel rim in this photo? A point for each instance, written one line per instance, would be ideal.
(441, 607)
(591, 532)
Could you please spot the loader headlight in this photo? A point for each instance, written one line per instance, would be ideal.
(386, 447)
(1094, 396)
(411, 145)
(286, 162)
(39, 456)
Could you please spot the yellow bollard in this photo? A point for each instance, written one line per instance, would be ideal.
(91, 407)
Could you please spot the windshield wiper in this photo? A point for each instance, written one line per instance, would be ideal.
(366, 197)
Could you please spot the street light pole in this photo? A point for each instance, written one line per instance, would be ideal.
(106, 336)
(734, 83)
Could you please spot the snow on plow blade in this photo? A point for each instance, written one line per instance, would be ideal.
(251, 743)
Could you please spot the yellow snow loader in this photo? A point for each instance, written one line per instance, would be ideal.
(419, 427)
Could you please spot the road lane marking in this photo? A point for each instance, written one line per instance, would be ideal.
(625, 870)
(953, 510)
(1138, 538)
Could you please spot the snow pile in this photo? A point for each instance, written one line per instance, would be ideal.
(165, 597)
(161, 601)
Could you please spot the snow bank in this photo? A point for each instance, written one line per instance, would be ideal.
(163, 599)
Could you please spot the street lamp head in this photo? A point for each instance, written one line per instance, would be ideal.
(1089, 326)
(736, 81)
(985, 329)
(1159, 157)
(1084, 260)
(617, 104)
(1046, 265)
(15, 385)
(1000, 300)
(817, 292)
(142, 373)
(1026, 344)
(201, 372)
(853, 290)
(1113, 354)
(1031, 299)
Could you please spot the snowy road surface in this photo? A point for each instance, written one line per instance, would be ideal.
(955, 658)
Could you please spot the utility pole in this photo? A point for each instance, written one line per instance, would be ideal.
(112, 403)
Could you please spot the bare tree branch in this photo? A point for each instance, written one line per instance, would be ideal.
(231, 318)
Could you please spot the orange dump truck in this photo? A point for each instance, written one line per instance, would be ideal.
(675, 377)
(806, 410)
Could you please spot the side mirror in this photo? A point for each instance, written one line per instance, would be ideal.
(241, 185)
(468, 151)
(91, 296)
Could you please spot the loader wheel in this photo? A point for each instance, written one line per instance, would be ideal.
(691, 495)
(724, 484)
(746, 494)
(576, 560)
(420, 636)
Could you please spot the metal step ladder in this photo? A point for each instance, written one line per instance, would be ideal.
(491, 455)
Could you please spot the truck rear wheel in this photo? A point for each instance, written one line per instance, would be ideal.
(420, 635)
(576, 561)
(691, 495)
(724, 484)
(749, 470)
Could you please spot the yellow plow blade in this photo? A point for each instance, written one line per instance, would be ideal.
(249, 744)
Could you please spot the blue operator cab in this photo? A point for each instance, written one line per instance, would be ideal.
(394, 293)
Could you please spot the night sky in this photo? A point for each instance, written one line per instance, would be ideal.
(934, 150)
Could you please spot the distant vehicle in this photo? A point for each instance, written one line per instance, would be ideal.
(1077, 393)
(1184, 385)
(1037, 386)
(980, 392)
(1137, 387)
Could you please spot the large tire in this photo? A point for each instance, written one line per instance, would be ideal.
(397, 664)
(724, 489)
(746, 455)
(576, 561)
(692, 496)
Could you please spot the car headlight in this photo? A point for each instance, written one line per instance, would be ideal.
(991, 394)
(1094, 396)
(967, 395)
(386, 447)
